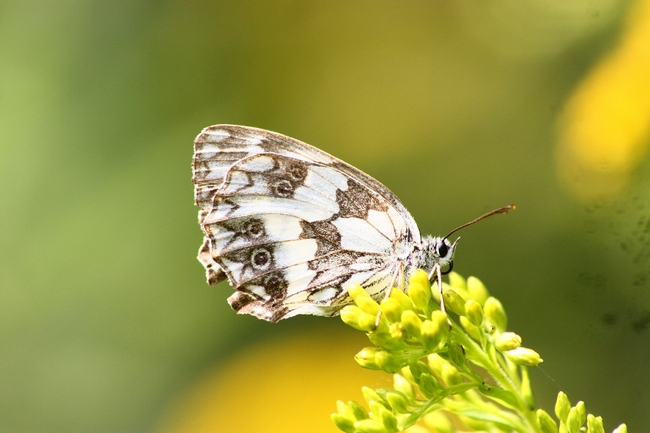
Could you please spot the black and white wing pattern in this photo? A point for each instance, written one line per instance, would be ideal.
(292, 227)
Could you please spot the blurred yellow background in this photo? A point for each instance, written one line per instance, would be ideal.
(106, 322)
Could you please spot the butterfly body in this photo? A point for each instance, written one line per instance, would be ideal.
(292, 227)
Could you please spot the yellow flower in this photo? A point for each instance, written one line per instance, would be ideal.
(604, 132)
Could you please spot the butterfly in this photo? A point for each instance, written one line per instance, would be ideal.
(291, 226)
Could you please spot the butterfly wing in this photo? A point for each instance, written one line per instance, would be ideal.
(216, 149)
(291, 226)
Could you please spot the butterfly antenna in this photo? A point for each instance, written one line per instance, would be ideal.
(504, 209)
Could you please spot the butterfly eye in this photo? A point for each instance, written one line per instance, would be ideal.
(442, 248)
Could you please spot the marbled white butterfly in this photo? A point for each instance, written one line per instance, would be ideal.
(292, 227)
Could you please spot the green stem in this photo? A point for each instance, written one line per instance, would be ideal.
(478, 356)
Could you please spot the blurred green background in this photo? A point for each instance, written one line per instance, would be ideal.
(106, 322)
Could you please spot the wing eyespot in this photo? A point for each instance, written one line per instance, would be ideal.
(275, 285)
(261, 259)
(283, 188)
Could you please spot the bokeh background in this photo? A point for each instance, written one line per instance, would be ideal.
(106, 322)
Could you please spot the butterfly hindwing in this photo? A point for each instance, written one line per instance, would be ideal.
(291, 226)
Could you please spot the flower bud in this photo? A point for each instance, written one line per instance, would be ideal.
(359, 411)
(369, 426)
(375, 406)
(472, 330)
(595, 424)
(412, 323)
(355, 317)
(385, 416)
(462, 292)
(456, 354)
(477, 290)
(370, 394)
(418, 368)
(451, 375)
(495, 313)
(352, 411)
(397, 402)
(457, 281)
(545, 422)
(389, 421)
(385, 339)
(343, 423)
(577, 417)
(429, 386)
(523, 356)
(454, 301)
(474, 312)
(388, 362)
(347, 415)
(363, 299)
(507, 341)
(404, 419)
(434, 332)
(404, 386)
(406, 373)
(370, 322)
(367, 358)
(562, 407)
(436, 363)
(620, 429)
(392, 310)
(420, 290)
(402, 299)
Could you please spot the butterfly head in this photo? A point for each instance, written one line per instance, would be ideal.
(438, 251)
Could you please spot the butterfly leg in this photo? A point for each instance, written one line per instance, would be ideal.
(437, 273)
(399, 271)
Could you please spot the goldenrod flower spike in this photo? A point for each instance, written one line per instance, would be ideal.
(434, 366)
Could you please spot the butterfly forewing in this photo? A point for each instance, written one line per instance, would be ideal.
(218, 147)
(291, 226)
